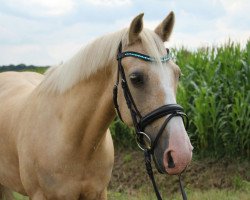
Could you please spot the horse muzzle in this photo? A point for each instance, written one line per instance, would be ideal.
(175, 161)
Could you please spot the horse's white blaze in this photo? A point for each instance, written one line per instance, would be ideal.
(179, 144)
(167, 83)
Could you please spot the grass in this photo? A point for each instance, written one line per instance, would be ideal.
(19, 196)
(212, 194)
(240, 191)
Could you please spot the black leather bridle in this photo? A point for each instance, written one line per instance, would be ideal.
(169, 111)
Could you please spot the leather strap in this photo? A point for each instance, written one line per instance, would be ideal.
(158, 113)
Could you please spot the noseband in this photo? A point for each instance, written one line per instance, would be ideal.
(140, 122)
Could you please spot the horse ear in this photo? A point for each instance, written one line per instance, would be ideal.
(164, 29)
(135, 28)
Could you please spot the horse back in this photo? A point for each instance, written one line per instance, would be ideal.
(14, 80)
(15, 88)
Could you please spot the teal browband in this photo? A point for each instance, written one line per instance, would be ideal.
(141, 56)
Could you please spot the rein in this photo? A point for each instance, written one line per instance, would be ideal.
(143, 140)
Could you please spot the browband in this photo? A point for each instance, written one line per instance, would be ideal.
(144, 57)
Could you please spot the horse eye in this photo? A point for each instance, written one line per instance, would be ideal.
(136, 78)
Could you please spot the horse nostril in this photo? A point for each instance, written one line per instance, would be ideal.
(170, 160)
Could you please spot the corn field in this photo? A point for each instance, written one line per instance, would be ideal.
(215, 92)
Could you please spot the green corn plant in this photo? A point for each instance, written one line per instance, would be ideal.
(215, 93)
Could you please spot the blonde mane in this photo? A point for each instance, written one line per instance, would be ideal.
(96, 55)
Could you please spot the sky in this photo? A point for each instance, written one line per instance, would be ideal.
(48, 32)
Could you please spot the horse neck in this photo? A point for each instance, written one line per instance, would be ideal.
(88, 110)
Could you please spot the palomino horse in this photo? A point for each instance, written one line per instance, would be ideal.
(54, 138)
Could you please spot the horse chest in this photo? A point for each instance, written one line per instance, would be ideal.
(74, 181)
(72, 176)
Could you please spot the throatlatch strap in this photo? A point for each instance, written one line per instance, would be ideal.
(115, 93)
(127, 94)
